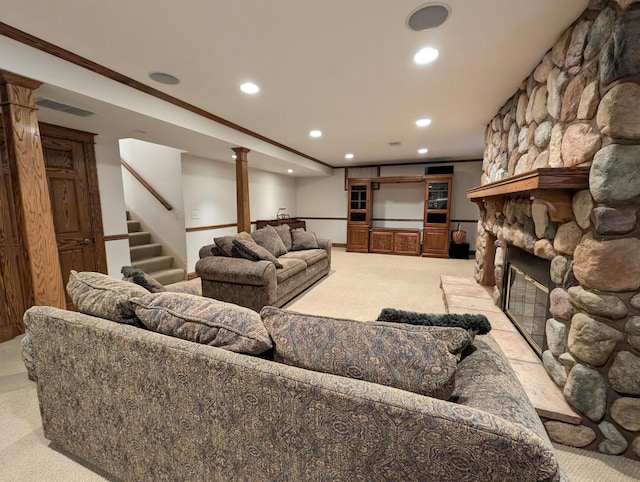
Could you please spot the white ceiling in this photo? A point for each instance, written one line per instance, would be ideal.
(342, 66)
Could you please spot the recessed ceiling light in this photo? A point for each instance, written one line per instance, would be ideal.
(427, 17)
(426, 55)
(249, 88)
(164, 78)
(423, 150)
(315, 133)
(348, 156)
(423, 122)
(289, 171)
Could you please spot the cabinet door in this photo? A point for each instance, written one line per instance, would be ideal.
(382, 241)
(407, 243)
(437, 205)
(359, 211)
(358, 239)
(436, 242)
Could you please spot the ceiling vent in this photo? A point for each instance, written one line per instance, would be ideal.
(69, 109)
(394, 143)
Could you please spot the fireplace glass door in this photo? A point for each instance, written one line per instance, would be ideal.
(526, 304)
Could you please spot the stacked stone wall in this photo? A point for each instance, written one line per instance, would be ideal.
(580, 107)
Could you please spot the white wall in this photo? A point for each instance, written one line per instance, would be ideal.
(210, 199)
(112, 203)
(324, 197)
(160, 167)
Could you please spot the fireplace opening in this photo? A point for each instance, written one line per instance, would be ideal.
(527, 285)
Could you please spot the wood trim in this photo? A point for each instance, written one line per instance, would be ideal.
(339, 245)
(116, 237)
(463, 221)
(544, 179)
(214, 226)
(414, 163)
(402, 220)
(95, 208)
(146, 185)
(192, 275)
(397, 179)
(51, 49)
(306, 218)
(67, 133)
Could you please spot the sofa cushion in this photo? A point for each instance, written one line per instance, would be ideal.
(100, 295)
(203, 320)
(290, 267)
(225, 243)
(284, 231)
(254, 252)
(301, 239)
(309, 256)
(389, 354)
(269, 239)
(139, 277)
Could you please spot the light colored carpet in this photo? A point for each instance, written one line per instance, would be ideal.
(359, 286)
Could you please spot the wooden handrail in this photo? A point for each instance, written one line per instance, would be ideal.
(153, 192)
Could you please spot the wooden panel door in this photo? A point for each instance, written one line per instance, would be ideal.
(435, 242)
(358, 239)
(380, 241)
(75, 205)
(408, 243)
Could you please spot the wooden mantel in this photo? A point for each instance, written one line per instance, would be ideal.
(553, 185)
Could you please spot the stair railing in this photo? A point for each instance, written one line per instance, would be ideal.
(146, 185)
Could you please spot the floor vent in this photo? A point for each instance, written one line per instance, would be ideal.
(69, 109)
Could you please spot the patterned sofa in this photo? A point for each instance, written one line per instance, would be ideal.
(142, 405)
(254, 283)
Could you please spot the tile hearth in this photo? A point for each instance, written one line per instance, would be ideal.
(464, 295)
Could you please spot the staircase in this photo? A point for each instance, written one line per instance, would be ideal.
(148, 256)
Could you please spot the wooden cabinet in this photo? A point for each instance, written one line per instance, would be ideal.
(359, 215)
(394, 241)
(294, 223)
(437, 215)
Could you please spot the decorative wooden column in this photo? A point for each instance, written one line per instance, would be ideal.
(242, 189)
(30, 188)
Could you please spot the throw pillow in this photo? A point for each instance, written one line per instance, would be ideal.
(254, 252)
(269, 239)
(203, 320)
(139, 277)
(225, 243)
(100, 295)
(385, 353)
(284, 231)
(301, 239)
(475, 324)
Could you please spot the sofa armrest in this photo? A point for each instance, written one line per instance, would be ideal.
(236, 270)
(326, 244)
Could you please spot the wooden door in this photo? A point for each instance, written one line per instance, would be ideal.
(435, 242)
(75, 204)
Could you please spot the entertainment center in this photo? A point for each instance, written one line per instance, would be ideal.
(362, 237)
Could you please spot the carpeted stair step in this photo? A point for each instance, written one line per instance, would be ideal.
(169, 276)
(133, 226)
(143, 251)
(156, 263)
(139, 238)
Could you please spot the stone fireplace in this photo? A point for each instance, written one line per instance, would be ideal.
(561, 182)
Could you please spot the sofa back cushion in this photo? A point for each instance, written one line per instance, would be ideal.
(254, 252)
(395, 355)
(269, 239)
(203, 320)
(225, 243)
(100, 295)
(301, 239)
(284, 231)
